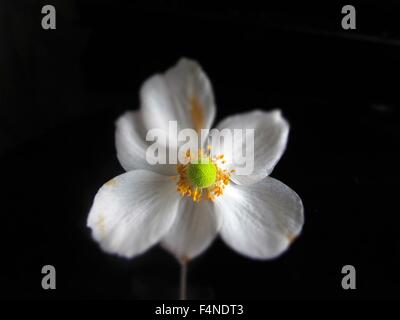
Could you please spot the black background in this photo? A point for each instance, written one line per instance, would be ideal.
(61, 91)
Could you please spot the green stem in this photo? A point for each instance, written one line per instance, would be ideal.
(183, 281)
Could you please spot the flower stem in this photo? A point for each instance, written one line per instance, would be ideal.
(183, 281)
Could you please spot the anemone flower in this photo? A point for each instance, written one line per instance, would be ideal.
(185, 206)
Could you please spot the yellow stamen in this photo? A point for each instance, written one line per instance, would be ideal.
(187, 189)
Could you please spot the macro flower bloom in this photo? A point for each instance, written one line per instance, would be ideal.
(185, 206)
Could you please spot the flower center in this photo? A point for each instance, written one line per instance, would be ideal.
(202, 174)
(204, 177)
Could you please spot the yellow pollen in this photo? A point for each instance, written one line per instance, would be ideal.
(186, 187)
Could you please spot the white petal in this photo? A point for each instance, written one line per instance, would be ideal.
(194, 229)
(270, 138)
(133, 211)
(131, 145)
(260, 220)
(183, 94)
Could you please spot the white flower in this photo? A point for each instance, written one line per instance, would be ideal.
(256, 215)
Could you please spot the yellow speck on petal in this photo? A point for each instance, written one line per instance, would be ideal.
(291, 238)
(197, 112)
(101, 225)
(111, 183)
